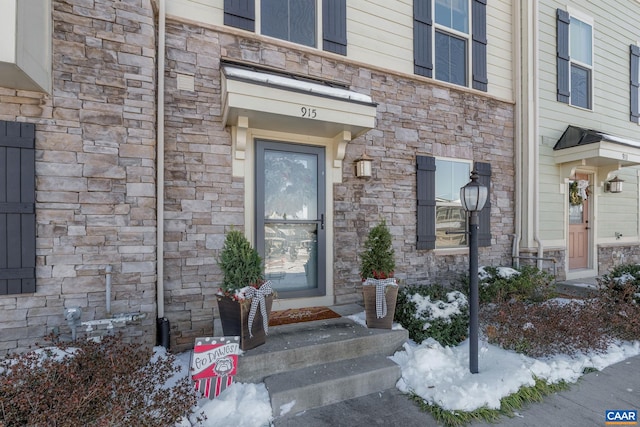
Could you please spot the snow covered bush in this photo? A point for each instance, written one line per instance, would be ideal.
(86, 383)
(433, 311)
(622, 282)
(524, 284)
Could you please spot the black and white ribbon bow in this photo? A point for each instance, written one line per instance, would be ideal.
(257, 300)
(381, 300)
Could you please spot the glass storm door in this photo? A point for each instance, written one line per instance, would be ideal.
(290, 228)
(578, 229)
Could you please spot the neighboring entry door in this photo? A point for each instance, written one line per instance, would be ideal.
(290, 215)
(578, 225)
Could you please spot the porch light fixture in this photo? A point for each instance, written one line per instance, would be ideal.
(473, 197)
(364, 166)
(614, 185)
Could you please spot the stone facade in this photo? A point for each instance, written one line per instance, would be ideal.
(612, 255)
(414, 117)
(96, 157)
(95, 172)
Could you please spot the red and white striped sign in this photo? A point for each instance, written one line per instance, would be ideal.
(214, 363)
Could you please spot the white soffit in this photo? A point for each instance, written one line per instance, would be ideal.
(286, 104)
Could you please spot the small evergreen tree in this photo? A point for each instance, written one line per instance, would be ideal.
(240, 263)
(378, 259)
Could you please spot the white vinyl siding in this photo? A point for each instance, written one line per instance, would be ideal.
(380, 34)
(615, 29)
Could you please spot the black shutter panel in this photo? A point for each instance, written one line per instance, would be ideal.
(334, 26)
(17, 208)
(484, 178)
(635, 83)
(426, 198)
(422, 36)
(479, 52)
(240, 14)
(562, 59)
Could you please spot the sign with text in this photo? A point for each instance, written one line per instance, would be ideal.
(214, 363)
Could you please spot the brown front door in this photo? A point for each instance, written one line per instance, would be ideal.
(578, 225)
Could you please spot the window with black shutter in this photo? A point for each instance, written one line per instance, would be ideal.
(562, 55)
(458, 33)
(442, 222)
(293, 20)
(426, 198)
(17, 208)
(240, 14)
(334, 26)
(484, 229)
(635, 83)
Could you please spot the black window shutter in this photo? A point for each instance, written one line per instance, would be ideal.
(334, 26)
(17, 208)
(422, 38)
(562, 58)
(240, 14)
(479, 52)
(635, 83)
(426, 198)
(484, 178)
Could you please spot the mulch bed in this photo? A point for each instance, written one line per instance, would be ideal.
(298, 315)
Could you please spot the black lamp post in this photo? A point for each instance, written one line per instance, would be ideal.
(473, 197)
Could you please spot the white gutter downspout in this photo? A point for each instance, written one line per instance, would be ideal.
(517, 42)
(160, 163)
(536, 136)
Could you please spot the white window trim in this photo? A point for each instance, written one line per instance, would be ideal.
(587, 19)
(467, 37)
(258, 25)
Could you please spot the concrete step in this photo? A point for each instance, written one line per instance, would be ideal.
(328, 383)
(297, 346)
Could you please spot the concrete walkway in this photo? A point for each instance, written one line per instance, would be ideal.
(584, 405)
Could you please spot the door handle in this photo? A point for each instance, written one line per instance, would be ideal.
(321, 221)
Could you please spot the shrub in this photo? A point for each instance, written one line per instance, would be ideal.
(622, 283)
(433, 311)
(240, 263)
(524, 284)
(86, 383)
(378, 259)
(543, 329)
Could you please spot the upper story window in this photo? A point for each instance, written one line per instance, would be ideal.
(575, 59)
(452, 40)
(451, 36)
(293, 20)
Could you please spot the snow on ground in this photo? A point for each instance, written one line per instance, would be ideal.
(438, 374)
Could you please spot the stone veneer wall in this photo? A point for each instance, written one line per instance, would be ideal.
(95, 167)
(415, 117)
(612, 255)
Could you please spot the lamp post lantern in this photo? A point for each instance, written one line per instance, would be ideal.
(473, 197)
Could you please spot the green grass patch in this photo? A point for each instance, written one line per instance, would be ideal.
(508, 405)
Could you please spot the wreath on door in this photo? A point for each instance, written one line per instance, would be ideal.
(578, 192)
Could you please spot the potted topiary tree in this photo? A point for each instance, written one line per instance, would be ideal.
(379, 287)
(245, 298)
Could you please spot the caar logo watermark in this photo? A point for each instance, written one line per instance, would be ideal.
(621, 417)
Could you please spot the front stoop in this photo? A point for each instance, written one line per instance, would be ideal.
(314, 364)
(321, 385)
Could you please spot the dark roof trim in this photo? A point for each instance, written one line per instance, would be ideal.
(575, 136)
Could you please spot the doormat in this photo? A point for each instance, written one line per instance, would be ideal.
(298, 315)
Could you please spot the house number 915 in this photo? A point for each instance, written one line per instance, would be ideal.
(308, 112)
